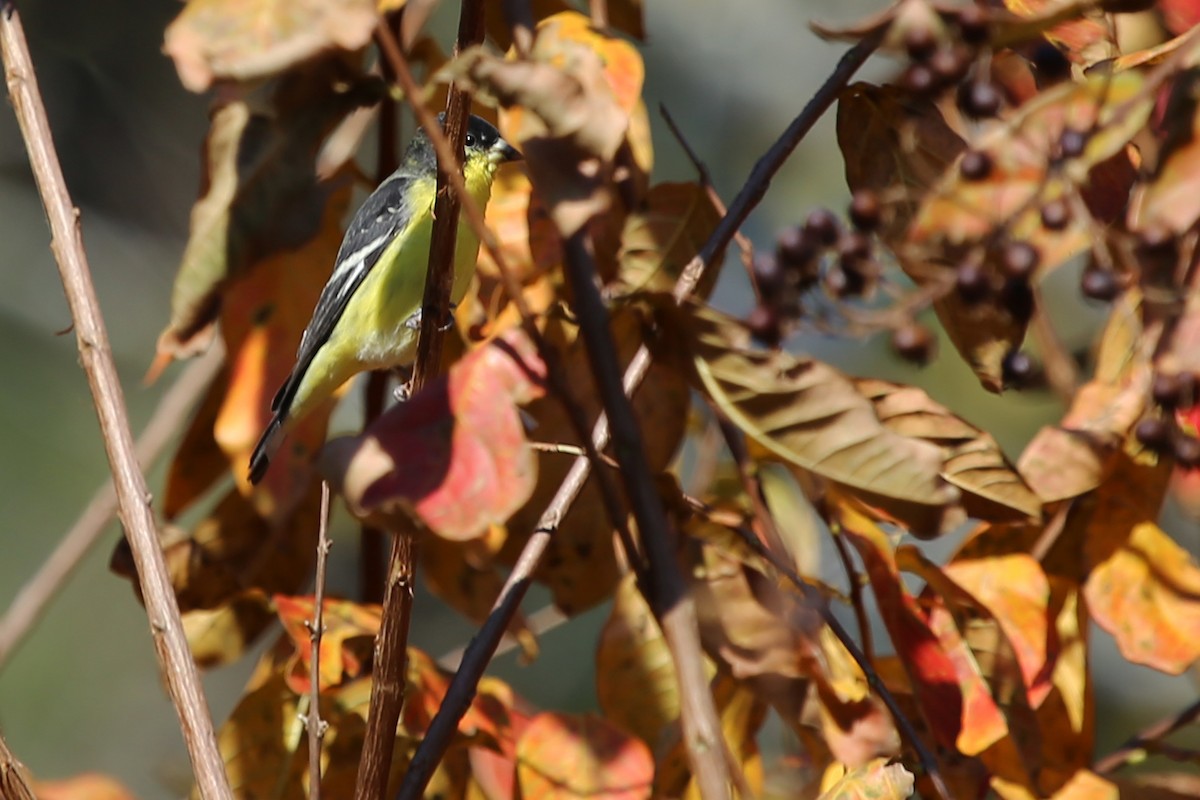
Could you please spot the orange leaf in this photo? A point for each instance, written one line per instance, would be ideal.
(1015, 592)
(1083, 39)
(343, 622)
(563, 756)
(946, 680)
(1147, 595)
(89, 786)
(456, 453)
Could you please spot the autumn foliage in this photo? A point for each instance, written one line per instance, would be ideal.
(1012, 141)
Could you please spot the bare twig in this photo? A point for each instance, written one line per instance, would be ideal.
(540, 622)
(856, 594)
(391, 644)
(34, 597)
(1147, 737)
(483, 644)
(1061, 373)
(15, 783)
(317, 726)
(666, 590)
(170, 643)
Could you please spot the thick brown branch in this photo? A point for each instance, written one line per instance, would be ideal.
(15, 783)
(170, 643)
(35, 596)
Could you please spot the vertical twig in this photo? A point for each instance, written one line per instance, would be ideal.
(170, 643)
(372, 542)
(666, 592)
(391, 644)
(35, 596)
(317, 726)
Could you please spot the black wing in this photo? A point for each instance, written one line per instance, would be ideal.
(376, 223)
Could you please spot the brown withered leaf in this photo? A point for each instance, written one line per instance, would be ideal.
(805, 412)
(624, 15)
(663, 235)
(455, 455)
(855, 724)
(580, 567)
(568, 106)
(1167, 201)
(636, 684)
(347, 639)
(992, 488)
(1075, 456)
(260, 194)
(893, 140)
(236, 40)
(199, 461)
(222, 634)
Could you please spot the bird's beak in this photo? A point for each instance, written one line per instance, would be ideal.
(503, 152)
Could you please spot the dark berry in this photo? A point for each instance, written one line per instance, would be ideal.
(976, 165)
(1186, 450)
(1173, 389)
(853, 246)
(763, 323)
(859, 273)
(978, 99)
(920, 42)
(918, 79)
(865, 211)
(1050, 63)
(973, 22)
(1056, 215)
(768, 275)
(913, 342)
(1072, 143)
(950, 64)
(1153, 434)
(822, 226)
(1017, 298)
(1020, 260)
(794, 247)
(972, 283)
(1099, 284)
(1157, 239)
(1020, 369)
(837, 283)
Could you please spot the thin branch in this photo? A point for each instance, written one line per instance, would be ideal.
(317, 726)
(856, 594)
(539, 623)
(1061, 373)
(483, 644)
(34, 597)
(666, 590)
(373, 542)
(1146, 737)
(391, 644)
(170, 643)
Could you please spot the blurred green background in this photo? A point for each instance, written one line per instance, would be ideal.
(82, 694)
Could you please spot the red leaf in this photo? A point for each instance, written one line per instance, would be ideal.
(564, 756)
(455, 455)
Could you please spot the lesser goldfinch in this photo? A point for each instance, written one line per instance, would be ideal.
(368, 315)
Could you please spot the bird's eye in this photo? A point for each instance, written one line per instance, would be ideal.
(470, 141)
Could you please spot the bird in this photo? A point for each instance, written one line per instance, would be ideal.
(368, 316)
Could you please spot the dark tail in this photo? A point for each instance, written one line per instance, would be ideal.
(260, 459)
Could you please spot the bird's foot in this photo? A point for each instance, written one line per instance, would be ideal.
(414, 321)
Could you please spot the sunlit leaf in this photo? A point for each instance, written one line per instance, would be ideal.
(566, 756)
(343, 623)
(808, 414)
(878, 780)
(663, 235)
(455, 454)
(233, 39)
(945, 678)
(222, 634)
(89, 786)
(1084, 38)
(1168, 201)
(636, 684)
(992, 488)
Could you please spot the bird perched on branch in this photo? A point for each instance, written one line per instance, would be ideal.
(369, 314)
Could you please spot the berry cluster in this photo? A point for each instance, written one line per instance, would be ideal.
(1171, 391)
(822, 253)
